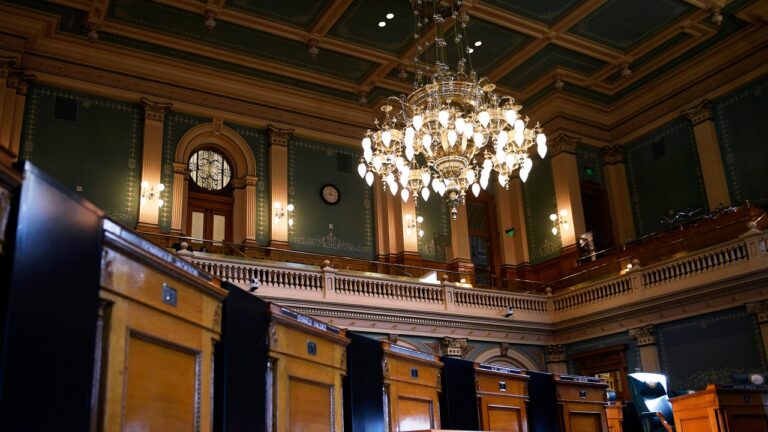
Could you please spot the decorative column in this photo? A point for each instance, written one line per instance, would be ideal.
(567, 187)
(462, 256)
(382, 221)
(554, 356)
(710, 158)
(278, 174)
(180, 189)
(615, 175)
(760, 310)
(511, 216)
(13, 94)
(649, 351)
(152, 163)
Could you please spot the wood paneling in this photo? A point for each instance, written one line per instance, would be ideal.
(160, 387)
(722, 409)
(581, 403)
(310, 406)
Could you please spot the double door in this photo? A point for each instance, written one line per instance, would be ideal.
(209, 221)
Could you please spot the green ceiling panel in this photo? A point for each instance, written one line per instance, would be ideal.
(235, 38)
(651, 54)
(71, 20)
(545, 11)
(497, 43)
(360, 24)
(546, 59)
(622, 24)
(298, 13)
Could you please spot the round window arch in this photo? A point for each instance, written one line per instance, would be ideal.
(209, 170)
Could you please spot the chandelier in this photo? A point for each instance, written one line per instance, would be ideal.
(453, 130)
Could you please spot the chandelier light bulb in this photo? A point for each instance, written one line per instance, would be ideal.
(452, 137)
(541, 139)
(399, 163)
(405, 173)
(367, 155)
(479, 139)
(563, 213)
(361, 169)
(470, 176)
(501, 139)
(460, 124)
(554, 231)
(409, 134)
(553, 217)
(419, 219)
(160, 203)
(442, 117)
(426, 141)
(519, 137)
(503, 179)
(510, 160)
(527, 163)
(425, 193)
(404, 194)
(390, 178)
(484, 118)
(393, 188)
(519, 125)
(510, 116)
(436, 185)
(542, 150)
(367, 143)
(290, 207)
(417, 121)
(377, 162)
(468, 130)
(409, 153)
(476, 189)
(369, 178)
(524, 173)
(487, 165)
(484, 181)
(386, 138)
(425, 177)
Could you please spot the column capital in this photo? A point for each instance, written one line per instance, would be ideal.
(20, 80)
(700, 112)
(613, 154)
(645, 335)
(180, 168)
(554, 353)
(454, 347)
(154, 110)
(279, 136)
(563, 143)
(760, 309)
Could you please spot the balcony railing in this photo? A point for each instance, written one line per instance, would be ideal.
(307, 283)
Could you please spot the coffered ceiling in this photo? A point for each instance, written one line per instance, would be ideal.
(601, 52)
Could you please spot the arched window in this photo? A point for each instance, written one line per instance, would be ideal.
(209, 170)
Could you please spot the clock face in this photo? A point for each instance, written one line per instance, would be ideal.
(330, 194)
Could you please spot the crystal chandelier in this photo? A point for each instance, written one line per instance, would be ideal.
(453, 130)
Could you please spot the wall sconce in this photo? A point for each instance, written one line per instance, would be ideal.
(559, 220)
(411, 224)
(149, 193)
(281, 212)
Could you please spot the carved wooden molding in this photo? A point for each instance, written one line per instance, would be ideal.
(645, 335)
(700, 113)
(554, 353)
(154, 110)
(278, 136)
(611, 155)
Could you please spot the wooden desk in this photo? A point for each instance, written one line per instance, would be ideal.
(502, 394)
(412, 383)
(581, 403)
(614, 416)
(722, 409)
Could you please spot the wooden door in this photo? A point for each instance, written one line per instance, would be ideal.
(484, 240)
(209, 217)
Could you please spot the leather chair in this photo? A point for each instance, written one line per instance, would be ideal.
(649, 394)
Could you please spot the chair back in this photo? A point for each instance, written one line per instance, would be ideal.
(649, 395)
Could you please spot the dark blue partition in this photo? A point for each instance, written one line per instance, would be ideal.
(542, 406)
(458, 401)
(241, 358)
(51, 301)
(364, 385)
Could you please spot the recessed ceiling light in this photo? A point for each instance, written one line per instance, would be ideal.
(390, 15)
(382, 23)
(478, 43)
(471, 50)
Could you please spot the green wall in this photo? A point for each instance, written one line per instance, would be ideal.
(436, 226)
(663, 174)
(539, 201)
(742, 130)
(588, 161)
(346, 228)
(98, 151)
(709, 348)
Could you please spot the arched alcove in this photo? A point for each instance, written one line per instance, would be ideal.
(228, 142)
(511, 358)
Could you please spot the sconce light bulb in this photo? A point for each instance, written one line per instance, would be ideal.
(421, 233)
(408, 217)
(159, 203)
(419, 219)
(290, 207)
(554, 231)
(563, 213)
(290, 222)
(553, 217)
(160, 187)
(144, 184)
(278, 205)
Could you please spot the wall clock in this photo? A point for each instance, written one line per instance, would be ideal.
(330, 194)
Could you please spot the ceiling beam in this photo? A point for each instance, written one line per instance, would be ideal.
(328, 18)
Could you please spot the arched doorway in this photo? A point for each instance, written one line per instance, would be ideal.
(209, 206)
(237, 196)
